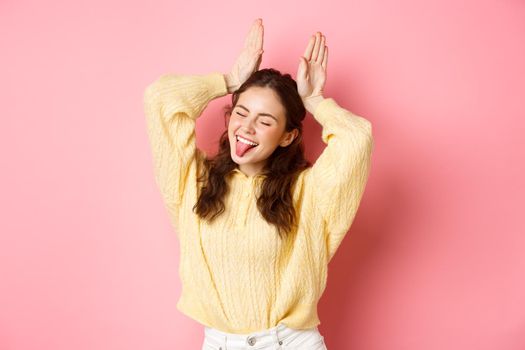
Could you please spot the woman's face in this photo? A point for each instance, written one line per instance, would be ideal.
(259, 117)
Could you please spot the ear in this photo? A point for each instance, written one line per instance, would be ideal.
(288, 137)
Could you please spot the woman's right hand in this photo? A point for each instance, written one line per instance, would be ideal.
(249, 59)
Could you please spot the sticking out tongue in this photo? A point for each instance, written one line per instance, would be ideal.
(242, 148)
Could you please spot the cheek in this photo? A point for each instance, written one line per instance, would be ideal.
(231, 128)
(271, 136)
(233, 125)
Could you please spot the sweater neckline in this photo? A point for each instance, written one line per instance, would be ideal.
(238, 171)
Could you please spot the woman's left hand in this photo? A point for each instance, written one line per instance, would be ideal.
(311, 74)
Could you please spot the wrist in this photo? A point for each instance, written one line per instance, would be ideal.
(229, 84)
(311, 103)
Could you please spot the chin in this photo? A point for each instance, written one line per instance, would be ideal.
(234, 160)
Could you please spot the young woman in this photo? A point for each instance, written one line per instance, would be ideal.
(257, 223)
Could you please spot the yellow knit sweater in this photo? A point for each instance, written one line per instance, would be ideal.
(237, 275)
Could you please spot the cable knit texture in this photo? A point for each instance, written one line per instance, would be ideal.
(237, 275)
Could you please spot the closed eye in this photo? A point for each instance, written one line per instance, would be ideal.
(242, 115)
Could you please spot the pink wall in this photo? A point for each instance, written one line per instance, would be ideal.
(435, 258)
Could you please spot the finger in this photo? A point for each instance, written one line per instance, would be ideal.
(325, 58)
(302, 71)
(260, 40)
(309, 47)
(258, 36)
(251, 35)
(320, 57)
(315, 51)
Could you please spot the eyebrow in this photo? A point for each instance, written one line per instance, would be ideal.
(262, 114)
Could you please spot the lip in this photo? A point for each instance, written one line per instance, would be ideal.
(246, 138)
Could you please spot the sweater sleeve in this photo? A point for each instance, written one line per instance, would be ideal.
(172, 103)
(339, 175)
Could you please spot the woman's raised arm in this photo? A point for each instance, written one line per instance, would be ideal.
(173, 102)
(339, 175)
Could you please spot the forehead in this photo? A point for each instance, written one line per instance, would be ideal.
(261, 100)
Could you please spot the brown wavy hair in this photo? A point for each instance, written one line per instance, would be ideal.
(281, 170)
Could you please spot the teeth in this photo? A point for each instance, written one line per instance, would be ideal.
(246, 141)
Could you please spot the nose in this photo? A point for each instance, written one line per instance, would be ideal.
(247, 125)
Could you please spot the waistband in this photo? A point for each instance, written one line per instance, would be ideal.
(255, 340)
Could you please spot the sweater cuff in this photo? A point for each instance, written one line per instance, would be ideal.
(217, 84)
(325, 110)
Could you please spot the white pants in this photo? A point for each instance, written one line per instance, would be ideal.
(276, 338)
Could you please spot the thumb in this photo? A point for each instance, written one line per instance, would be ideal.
(301, 71)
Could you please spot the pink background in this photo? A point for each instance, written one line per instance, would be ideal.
(436, 256)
